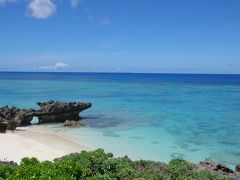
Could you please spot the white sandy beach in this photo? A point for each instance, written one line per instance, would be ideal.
(30, 142)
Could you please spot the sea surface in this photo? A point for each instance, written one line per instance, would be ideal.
(145, 116)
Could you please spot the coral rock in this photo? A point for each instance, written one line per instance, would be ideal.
(49, 112)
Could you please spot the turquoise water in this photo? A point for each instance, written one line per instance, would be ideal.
(146, 116)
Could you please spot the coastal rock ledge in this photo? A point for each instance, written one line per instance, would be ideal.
(49, 112)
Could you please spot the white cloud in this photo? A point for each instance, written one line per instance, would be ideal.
(41, 9)
(3, 2)
(75, 3)
(61, 66)
(57, 66)
(105, 21)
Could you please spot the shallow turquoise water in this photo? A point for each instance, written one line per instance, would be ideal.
(157, 117)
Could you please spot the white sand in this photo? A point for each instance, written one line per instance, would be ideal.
(29, 142)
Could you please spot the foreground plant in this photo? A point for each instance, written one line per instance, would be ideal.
(98, 165)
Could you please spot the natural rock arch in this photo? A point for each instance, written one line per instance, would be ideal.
(49, 112)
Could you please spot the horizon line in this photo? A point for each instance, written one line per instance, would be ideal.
(110, 72)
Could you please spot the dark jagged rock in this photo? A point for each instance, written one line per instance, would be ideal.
(218, 168)
(60, 111)
(210, 165)
(14, 117)
(71, 123)
(237, 168)
(49, 112)
(3, 125)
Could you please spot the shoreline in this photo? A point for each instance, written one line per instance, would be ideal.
(34, 142)
(44, 144)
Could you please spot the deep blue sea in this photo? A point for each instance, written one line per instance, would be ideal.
(146, 116)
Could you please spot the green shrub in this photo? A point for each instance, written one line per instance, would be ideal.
(98, 165)
(6, 171)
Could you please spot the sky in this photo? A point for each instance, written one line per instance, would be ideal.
(155, 36)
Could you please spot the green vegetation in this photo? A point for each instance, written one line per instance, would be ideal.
(98, 165)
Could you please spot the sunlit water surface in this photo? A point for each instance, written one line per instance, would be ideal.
(146, 116)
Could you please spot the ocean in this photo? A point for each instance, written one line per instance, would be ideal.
(145, 116)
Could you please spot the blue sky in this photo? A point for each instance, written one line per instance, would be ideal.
(182, 36)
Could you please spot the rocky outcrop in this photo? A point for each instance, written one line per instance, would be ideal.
(238, 168)
(218, 168)
(3, 125)
(71, 123)
(49, 112)
(60, 111)
(14, 117)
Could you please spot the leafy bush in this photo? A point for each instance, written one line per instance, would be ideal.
(98, 165)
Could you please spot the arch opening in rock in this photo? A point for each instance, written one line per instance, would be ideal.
(35, 120)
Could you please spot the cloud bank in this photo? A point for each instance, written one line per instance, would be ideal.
(41, 9)
(57, 66)
(3, 2)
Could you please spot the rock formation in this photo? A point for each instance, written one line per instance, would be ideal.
(3, 125)
(14, 117)
(218, 168)
(60, 111)
(238, 168)
(71, 123)
(49, 112)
